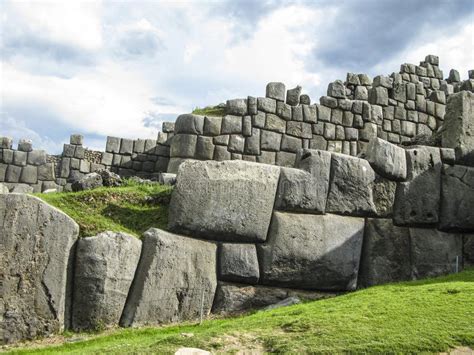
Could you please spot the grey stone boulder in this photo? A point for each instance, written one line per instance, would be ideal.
(175, 279)
(386, 159)
(293, 96)
(37, 242)
(276, 90)
(458, 127)
(234, 298)
(417, 199)
(337, 89)
(25, 145)
(105, 267)
(238, 263)
(189, 124)
(183, 146)
(22, 189)
(226, 201)
(312, 251)
(109, 178)
(385, 253)
(434, 253)
(350, 188)
(383, 194)
(88, 182)
(457, 198)
(236, 107)
(298, 191)
(3, 189)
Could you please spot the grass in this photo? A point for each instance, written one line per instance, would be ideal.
(422, 316)
(131, 208)
(209, 111)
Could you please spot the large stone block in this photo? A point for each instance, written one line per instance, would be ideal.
(204, 148)
(189, 124)
(174, 281)
(293, 96)
(458, 127)
(350, 188)
(468, 250)
(307, 189)
(236, 107)
(183, 146)
(337, 89)
(312, 251)
(228, 201)
(13, 173)
(417, 199)
(385, 253)
(270, 141)
(112, 145)
(234, 298)
(457, 198)
(386, 159)
(238, 263)
(37, 157)
(105, 267)
(231, 125)
(276, 90)
(266, 104)
(212, 126)
(29, 174)
(434, 253)
(37, 242)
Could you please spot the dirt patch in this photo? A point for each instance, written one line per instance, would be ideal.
(460, 350)
(240, 344)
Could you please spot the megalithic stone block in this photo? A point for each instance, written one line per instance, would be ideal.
(387, 159)
(458, 127)
(37, 242)
(105, 267)
(227, 201)
(174, 281)
(312, 251)
(417, 199)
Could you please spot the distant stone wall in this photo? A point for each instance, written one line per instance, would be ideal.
(40, 171)
(271, 129)
(26, 166)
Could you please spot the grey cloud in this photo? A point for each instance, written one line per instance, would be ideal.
(155, 119)
(139, 43)
(367, 31)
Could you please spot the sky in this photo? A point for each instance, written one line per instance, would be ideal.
(120, 68)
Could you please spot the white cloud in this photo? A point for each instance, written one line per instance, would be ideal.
(75, 23)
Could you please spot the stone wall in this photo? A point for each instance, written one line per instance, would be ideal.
(36, 171)
(271, 129)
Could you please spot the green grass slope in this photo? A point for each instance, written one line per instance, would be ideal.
(131, 208)
(209, 111)
(411, 317)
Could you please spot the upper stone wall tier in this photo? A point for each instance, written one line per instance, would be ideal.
(271, 129)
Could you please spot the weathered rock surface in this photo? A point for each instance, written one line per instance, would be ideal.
(22, 189)
(457, 198)
(37, 241)
(417, 199)
(105, 267)
(305, 189)
(238, 263)
(458, 127)
(88, 182)
(175, 277)
(234, 298)
(434, 253)
(312, 251)
(350, 188)
(385, 253)
(3, 189)
(227, 201)
(386, 159)
(383, 192)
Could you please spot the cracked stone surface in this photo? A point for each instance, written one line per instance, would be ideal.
(36, 242)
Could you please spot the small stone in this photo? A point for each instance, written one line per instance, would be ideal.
(236, 107)
(337, 89)
(293, 96)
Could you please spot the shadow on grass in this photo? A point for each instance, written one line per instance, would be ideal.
(136, 218)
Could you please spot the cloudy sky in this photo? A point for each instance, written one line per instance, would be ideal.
(121, 67)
